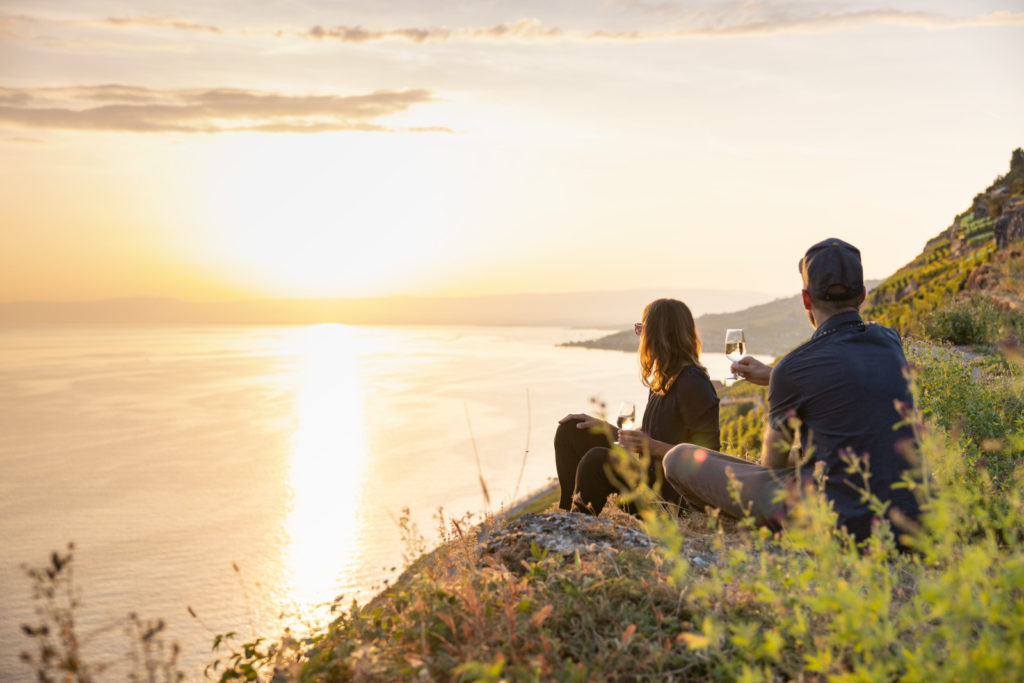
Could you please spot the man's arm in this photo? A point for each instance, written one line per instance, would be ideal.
(774, 448)
(752, 370)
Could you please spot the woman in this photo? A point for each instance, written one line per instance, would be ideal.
(682, 407)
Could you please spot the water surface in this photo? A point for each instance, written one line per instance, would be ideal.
(171, 455)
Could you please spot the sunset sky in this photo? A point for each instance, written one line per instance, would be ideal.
(315, 148)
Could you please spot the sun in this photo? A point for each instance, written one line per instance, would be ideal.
(325, 215)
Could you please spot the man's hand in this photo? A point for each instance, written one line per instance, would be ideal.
(586, 421)
(635, 441)
(752, 370)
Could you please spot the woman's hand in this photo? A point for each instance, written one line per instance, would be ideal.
(752, 370)
(635, 441)
(586, 421)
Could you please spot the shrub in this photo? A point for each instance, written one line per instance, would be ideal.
(977, 400)
(963, 321)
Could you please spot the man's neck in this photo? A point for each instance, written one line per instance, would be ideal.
(819, 317)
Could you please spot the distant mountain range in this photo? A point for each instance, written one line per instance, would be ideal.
(771, 328)
(978, 258)
(607, 310)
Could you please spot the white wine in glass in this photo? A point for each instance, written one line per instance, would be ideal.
(735, 348)
(626, 418)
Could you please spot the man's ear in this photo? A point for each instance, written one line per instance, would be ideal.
(807, 299)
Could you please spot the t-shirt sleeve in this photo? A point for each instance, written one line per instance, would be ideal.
(698, 409)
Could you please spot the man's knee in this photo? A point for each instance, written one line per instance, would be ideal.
(682, 460)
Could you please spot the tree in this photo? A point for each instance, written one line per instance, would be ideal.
(1017, 159)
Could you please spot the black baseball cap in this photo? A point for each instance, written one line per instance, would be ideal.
(831, 270)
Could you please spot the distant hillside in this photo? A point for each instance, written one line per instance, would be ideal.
(967, 285)
(771, 329)
(977, 263)
(607, 310)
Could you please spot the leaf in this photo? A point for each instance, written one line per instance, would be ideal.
(694, 641)
(537, 619)
(627, 635)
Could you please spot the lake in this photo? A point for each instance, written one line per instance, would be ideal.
(173, 455)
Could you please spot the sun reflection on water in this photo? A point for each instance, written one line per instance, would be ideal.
(326, 470)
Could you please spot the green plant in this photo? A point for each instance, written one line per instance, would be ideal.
(963, 321)
(59, 652)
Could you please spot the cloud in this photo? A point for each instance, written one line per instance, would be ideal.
(679, 20)
(159, 22)
(747, 18)
(126, 108)
(523, 29)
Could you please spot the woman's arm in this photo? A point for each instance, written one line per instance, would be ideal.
(585, 421)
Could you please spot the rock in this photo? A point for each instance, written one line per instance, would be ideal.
(956, 240)
(982, 278)
(1009, 229)
(979, 210)
(563, 533)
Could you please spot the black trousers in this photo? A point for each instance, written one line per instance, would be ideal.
(584, 462)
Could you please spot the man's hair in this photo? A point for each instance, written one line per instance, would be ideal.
(833, 306)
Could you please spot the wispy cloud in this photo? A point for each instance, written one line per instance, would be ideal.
(158, 22)
(680, 21)
(760, 19)
(743, 19)
(24, 140)
(136, 109)
(523, 29)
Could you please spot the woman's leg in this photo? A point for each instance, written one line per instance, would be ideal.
(571, 444)
(592, 483)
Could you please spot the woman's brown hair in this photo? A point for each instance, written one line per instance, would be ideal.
(668, 343)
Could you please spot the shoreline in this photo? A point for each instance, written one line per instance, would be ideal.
(532, 498)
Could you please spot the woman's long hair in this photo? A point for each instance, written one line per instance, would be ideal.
(668, 343)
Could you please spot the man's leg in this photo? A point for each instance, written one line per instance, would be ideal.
(702, 477)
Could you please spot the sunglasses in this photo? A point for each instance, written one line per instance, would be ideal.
(638, 328)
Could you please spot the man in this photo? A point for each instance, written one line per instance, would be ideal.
(845, 388)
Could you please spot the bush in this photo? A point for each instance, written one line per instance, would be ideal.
(977, 400)
(963, 321)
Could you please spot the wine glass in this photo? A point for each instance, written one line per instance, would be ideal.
(735, 348)
(626, 418)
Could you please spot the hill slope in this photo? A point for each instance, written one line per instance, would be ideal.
(771, 328)
(976, 263)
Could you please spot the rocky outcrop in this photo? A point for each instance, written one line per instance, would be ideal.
(569, 533)
(563, 533)
(982, 278)
(956, 240)
(1009, 228)
(998, 281)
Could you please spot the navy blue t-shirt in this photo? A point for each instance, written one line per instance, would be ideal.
(843, 386)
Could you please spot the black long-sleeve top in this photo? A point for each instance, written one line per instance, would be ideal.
(686, 413)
